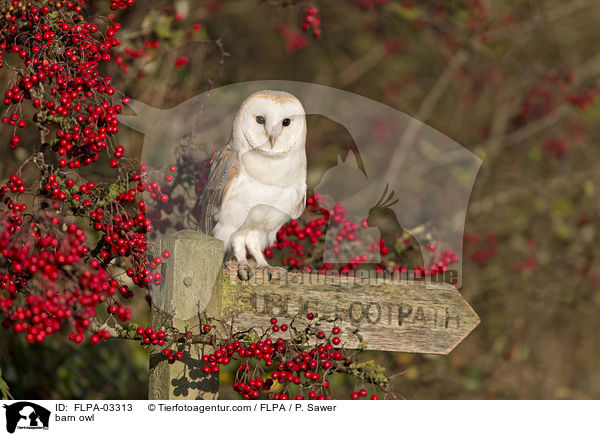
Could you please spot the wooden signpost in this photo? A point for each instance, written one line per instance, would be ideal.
(373, 313)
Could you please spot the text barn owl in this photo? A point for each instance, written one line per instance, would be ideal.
(257, 182)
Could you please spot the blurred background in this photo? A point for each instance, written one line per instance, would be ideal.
(515, 82)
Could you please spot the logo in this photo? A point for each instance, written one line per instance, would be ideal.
(26, 415)
(420, 178)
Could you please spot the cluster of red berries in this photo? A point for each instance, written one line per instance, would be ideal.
(556, 147)
(10, 202)
(122, 312)
(39, 257)
(14, 141)
(13, 120)
(531, 261)
(303, 369)
(370, 4)
(100, 334)
(124, 235)
(292, 365)
(145, 46)
(172, 356)
(363, 393)
(15, 184)
(52, 187)
(481, 249)
(294, 40)
(121, 4)
(529, 264)
(62, 278)
(583, 99)
(65, 85)
(153, 189)
(149, 336)
(564, 80)
(305, 236)
(181, 61)
(479, 15)
(541, 100)
(296, 236)
(312, 19)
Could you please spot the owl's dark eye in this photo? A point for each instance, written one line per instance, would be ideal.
(260, 119)
(286, 122)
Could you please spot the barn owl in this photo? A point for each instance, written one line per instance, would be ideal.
(257, 182)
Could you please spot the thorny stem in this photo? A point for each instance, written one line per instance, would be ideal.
(344, 367)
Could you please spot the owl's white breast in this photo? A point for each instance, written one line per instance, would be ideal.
(283, 170)
(271, 189)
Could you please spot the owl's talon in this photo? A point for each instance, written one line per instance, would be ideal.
(245, 272)
(282, 271)
(274, 269)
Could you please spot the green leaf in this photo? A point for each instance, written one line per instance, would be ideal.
(399, 246)
(408, 13)
(4, 391)
(563, 207)
(114, 191)
(163, 27)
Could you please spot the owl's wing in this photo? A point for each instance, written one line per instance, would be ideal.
(300, 207)
(224, 169)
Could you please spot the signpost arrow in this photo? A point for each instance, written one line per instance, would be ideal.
(388, 315)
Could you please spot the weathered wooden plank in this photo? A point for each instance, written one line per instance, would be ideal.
(390, 315)
(191, 289)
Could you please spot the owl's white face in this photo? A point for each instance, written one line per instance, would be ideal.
(271, 122)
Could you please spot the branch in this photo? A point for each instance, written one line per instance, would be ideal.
(417, 122)
(362, 65)
(491, 202)
(366, 371)
(584, 72)
(541, 19)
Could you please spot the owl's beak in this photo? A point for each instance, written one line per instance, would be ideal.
(273, 135)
